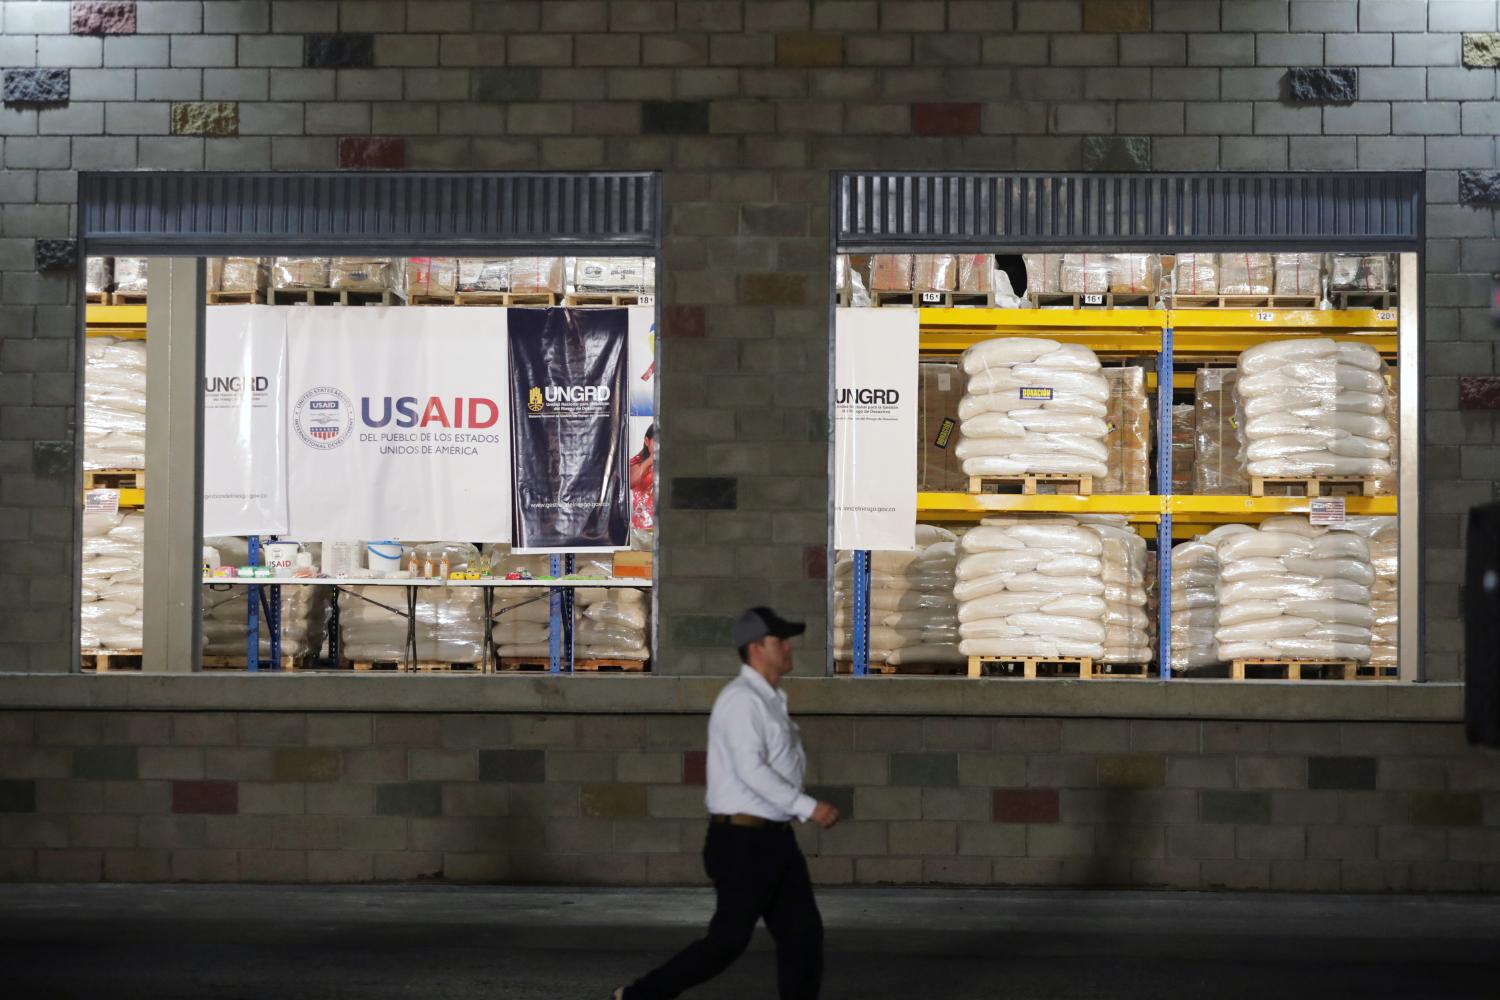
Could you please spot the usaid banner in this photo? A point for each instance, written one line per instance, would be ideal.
(398, 424)
(244, 421)
(570, 476)
(875, 429)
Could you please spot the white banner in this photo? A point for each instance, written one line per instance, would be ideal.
(244, 421)
(400, 425)
(875, 429)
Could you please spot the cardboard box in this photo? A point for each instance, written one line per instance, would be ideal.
(975, 272)
(480, 274)
(1043, 273)
(433, 276)
(634, 565)
(934, 272)
(940, 386)
(1184, 447)
(1298, 273)
(1129, 437)
(361, 274)
(1245, 274)
(1196, 274)
(299, 272)
(536, 274)
(608, 275)
(891, 272)
(1217, 470)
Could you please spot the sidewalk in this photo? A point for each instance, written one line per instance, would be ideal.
(438, 942)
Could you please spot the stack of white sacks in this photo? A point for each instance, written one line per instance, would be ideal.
(913, 613)
(1292, 590)
(450, 620)
(522, 615)
(113, 577)
(1195, 601)
(304, 610)
(1381, 534)
(114, 404)
(1032, 406)
(1032, 586)
(1314, 407)
(1127, 637)
(610, 623)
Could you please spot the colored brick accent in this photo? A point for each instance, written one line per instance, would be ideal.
(1116, 15)
(515, 766)
(106, 763)
(1115, 152)
(206, 118)
(1481, 49)
(372, 153)
(219, 798)
(1350, 773)
(409, 798)
(674, 118)
(809, 49)
(1322, 85)
(1025, 805)
(56, 255)
(1479, 392)
(345, 50)
(815, 562)
(38, 86)
(305, 765)
(613, 801)
(1445, 809)
(705, 493)
(695, 767)
(773, 290)
(924, 770)
(1132, 771)
(18, 796)
(682, 322)
(1479, 187)
(112, 18)
(1220, 806)
(945, 118)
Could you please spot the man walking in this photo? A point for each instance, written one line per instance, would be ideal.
(755, 768)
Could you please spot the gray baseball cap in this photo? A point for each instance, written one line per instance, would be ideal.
(758, 622)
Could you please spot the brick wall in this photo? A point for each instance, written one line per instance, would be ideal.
(156, 796)
(745, 106)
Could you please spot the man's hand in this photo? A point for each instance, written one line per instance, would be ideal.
(825, 815)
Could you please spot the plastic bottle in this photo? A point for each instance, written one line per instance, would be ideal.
(444, 567)
(427, 568)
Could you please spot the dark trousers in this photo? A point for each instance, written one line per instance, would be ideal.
(758, 873)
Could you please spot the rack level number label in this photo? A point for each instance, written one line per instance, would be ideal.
(645, 300)
(1330, 512)
(1093, 300)
(1386, 316)
(934, 297)
(101, 502)
(1265, 316)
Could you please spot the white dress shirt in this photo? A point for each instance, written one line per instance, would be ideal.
(755, 758)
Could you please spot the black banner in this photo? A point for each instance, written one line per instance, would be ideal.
(569, 426)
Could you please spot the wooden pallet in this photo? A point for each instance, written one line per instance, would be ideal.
(1032, 484)
(243, 663)
(1104, 300)
(96, 298)
(127, 298)
(1032, 667)
(534, 664)
(603, 299)
(236, 298)
(933, 300)
(114, 479)
(1313, 486)
(904, 669)
(506, 299)
(1363, 300)
(1245, 302)
(331, 297)
(439, 299)
(1298, 670)
(105, 660)
(424, 666)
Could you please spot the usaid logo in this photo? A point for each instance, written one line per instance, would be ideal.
(323, 418)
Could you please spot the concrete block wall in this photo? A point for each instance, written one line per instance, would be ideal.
(745, 106)
(352, 797)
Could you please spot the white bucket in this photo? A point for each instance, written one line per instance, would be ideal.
(281, 557)
(383, 557)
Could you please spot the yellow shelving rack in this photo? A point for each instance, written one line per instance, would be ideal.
(125, 323)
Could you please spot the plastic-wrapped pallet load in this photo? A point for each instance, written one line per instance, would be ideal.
(610, 623)
(292, 273)
(1128, 440)
(1127, 636)
(1298, 273)
(611, 275)
(1314, 407)
(1245, 274)
(940, 389)
(98, 275)
(1356, 272)
(361, 274)
(1184, 447)
(1195, 601)
(891, 272)
(934, 272)
(238, 275)
(479, 274)
(1043, 273)
(450, 620)
(975, 272)
(304, 610)
(1292, 591)
(1086, 273)
(434, 277)
(1383, 537)
(1134, 273)
(130, 275)
(1031, 586)
(114, 548)
(913, 613)
(522, 615)
(114, 404)
(1033, 406)
(534, 275)
(1217, 468)
(1196, 274)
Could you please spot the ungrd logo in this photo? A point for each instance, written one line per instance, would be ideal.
(577, 393)
(323, 418)
(534, 400)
